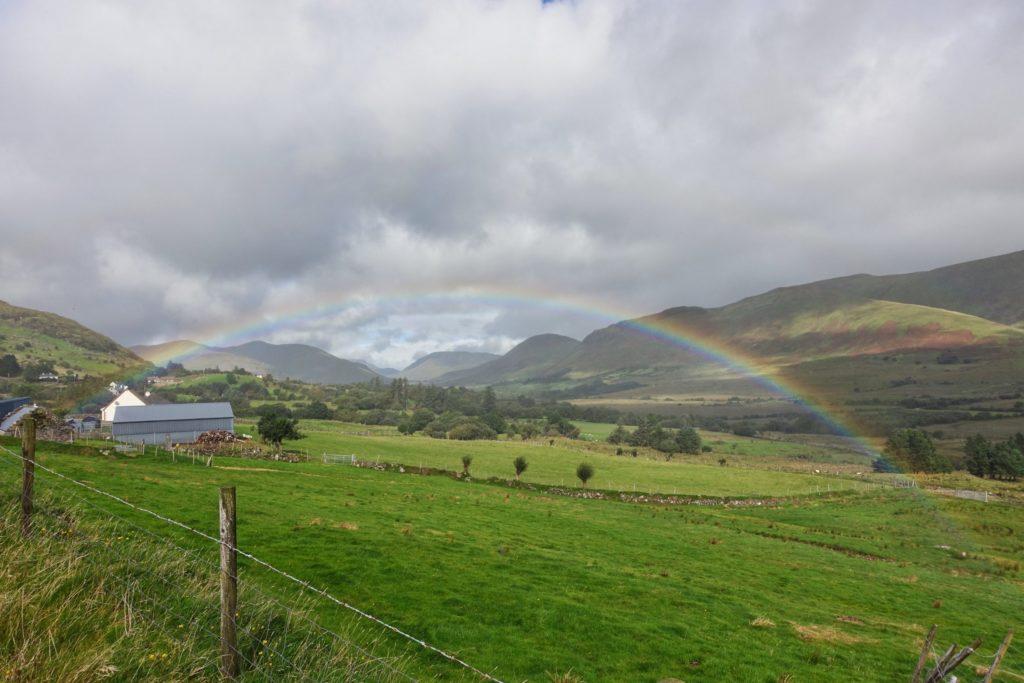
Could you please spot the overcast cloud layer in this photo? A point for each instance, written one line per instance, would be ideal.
(171, 169)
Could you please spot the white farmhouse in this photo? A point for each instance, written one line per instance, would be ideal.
(127, 398)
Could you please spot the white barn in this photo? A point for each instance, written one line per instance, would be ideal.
(127, 398)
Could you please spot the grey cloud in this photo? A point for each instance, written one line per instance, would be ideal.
(639, 155)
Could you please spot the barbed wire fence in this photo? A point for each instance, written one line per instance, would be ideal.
(263, 645)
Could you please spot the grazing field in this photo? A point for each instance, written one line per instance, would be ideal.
(556, 464)
(527, 584)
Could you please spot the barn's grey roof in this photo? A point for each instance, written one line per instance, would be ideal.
(173, 411)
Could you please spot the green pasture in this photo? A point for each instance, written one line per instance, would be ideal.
(524, 584)
(556, 464)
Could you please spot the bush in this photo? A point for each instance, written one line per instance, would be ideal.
(584, 471)
(520, 465)
(471, 430)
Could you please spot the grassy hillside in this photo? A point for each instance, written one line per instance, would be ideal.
(531, 358)
(195, 356)
(305, 363)
(40, 337)
(527, 584)
(990, 288)
(433, 365)
(297, 361)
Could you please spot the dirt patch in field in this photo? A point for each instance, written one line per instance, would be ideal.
(349, 526)
(827, 633)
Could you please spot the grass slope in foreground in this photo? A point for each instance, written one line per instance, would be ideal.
(830, 588)
(86, 600)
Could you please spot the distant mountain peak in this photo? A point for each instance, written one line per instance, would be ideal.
(298, 361)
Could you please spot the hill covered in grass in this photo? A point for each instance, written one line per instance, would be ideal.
(531, 358)
(434, 365)
(846, 319)
(990, 288)
(41, 338)
(297, 361)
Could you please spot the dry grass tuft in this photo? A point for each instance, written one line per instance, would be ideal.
(827, 634)
(847, 619)
(567, 677)
(350, 526)
(762, 622)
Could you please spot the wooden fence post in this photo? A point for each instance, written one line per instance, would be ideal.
(999, 655)
(28, 472)
(229, 656)
(924, 654)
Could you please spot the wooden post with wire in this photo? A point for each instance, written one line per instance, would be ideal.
(28, 472)
(923, 659)
(229, 655)
(999, 657)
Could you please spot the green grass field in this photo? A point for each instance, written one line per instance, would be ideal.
(556, 464)
(839, 587)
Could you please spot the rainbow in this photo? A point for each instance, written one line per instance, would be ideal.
(266, 323)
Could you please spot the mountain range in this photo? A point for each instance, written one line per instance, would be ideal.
(830, 331)
(847, 318)
(297, 361)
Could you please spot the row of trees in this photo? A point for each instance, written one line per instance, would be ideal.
(650, 433)
(912, 450)
(1002, 460)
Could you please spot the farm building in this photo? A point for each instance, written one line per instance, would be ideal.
(8, 405)
(12, 410)
(170, 423)
(126, 398)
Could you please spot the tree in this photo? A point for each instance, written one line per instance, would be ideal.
(467, 460)
(619, 435)
(1006, 462)
(525, 429)
(416, 422)
(584, 472)
(648, 433)
(495, 422)
(9, 366)
(666, 444)
(317, 410)
(560, 426)
(471, 429)
(688, 441)
(520, 464)
(978, 455)
(489, 403)
(276, 428)
(913, 448)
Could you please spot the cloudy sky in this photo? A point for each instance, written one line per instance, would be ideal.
(389, 178)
